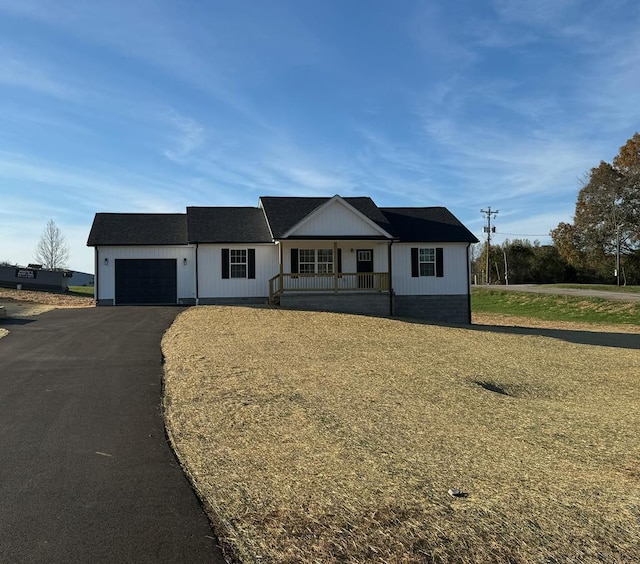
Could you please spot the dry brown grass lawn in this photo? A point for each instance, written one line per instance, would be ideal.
(320, 437)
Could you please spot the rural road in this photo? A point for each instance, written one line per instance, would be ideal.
(86, 474)
(533, 288)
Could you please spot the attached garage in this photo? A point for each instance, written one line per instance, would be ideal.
(146, 281)
(143, 259)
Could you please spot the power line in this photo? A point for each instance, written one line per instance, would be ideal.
(523, 234)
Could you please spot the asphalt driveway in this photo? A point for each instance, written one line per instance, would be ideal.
(86, 474)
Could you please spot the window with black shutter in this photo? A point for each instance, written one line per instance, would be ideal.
(427, 261)
(238, 263)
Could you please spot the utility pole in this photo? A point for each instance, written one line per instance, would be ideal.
(488, 230)
(617, 254)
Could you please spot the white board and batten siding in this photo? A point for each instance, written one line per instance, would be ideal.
(185, 273)
(455, 279)
(212, 285)
(335, 220)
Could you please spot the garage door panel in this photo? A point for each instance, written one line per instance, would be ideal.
(146, 281)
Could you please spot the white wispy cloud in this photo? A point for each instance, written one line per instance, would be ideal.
(20, 72)
(190, 135)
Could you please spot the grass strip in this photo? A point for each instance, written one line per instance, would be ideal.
(555, 307)
(81, 290)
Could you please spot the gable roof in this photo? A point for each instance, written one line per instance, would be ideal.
(227, 225)
(284, 213)
(433, 224)
(274, 220)
(138, 229)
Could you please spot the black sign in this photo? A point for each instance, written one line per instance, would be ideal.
(24, 273)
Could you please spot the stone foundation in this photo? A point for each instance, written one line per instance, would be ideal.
(445, 309)
(371, 303)
(233, 301)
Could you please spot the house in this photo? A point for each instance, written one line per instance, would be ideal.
(330, 254)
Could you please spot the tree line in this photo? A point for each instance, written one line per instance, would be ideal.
(522, 262)
(602, 245)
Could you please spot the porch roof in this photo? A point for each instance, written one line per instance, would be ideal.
(283, 213)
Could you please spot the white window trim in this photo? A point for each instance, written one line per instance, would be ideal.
(422, 261)
(313, 263)
(241, 254)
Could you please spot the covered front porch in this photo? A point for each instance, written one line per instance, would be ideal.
(331, 267)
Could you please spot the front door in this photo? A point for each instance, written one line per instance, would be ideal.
(364, 267)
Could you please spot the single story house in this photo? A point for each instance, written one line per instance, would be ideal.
(329, 254)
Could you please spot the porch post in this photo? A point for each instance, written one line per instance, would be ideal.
(335, 266)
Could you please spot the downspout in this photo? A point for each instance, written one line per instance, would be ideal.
(468, 283)
(197, 279)
(390, 262)
(281, 267)
(96, 276)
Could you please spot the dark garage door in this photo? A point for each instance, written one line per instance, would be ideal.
(146, 281)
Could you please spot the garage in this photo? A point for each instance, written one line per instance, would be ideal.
(146, 281)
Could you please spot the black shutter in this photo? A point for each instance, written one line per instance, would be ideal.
(339, 261)
(225, 263)
(439, 262)
(251, 263)
(294, 261)
(415, 268)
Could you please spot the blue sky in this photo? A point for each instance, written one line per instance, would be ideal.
(154, 105)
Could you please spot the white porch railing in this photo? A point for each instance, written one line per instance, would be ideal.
(343, 282)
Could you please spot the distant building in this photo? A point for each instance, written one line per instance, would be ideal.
(81, 279)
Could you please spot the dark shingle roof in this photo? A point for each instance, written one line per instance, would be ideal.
(227, 225)
(435, 224)
(249, 225)
(138, 229)
(284, 212)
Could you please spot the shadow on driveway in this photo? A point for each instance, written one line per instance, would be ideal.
(86, 473)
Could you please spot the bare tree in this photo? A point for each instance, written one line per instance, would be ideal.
(52, 250)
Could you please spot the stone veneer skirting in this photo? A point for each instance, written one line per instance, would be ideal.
(368, 303)
(233, 301)
(443, 309)
(448, 309)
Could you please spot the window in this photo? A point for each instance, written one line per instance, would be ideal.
(307, 261)
(238, 263)
(365, 256)
(427, 262)
(325, 261)
(311, 261)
